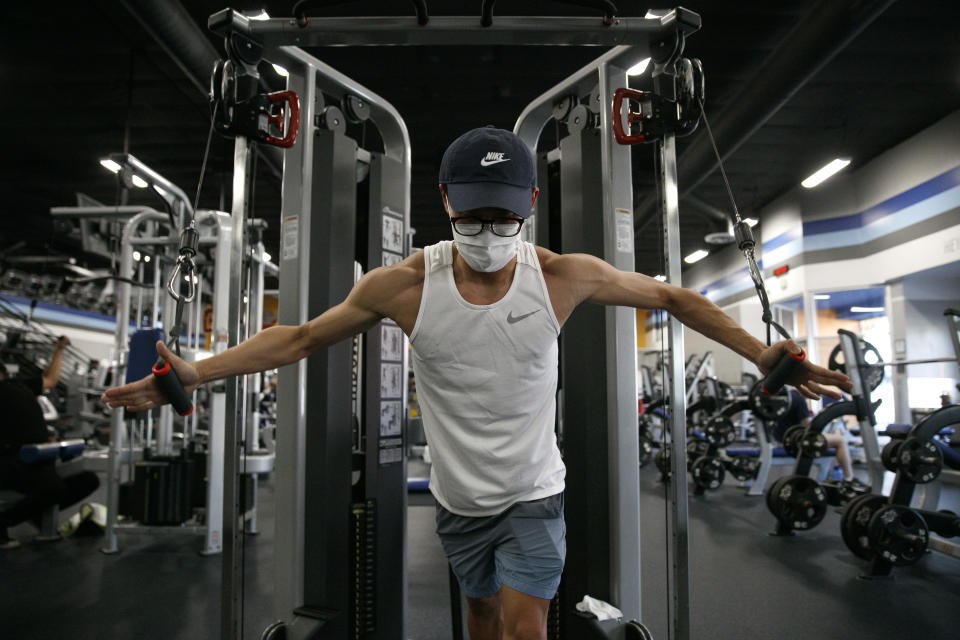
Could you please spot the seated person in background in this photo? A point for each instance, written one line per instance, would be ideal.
(23, 424)
(799, 413)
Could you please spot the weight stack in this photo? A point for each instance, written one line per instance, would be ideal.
(363, 595)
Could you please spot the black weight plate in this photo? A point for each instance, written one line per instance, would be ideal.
(772, 491)
(743, 468)
(799, 502)
(720, 430)
(854, 525)
(919, 460)
(890, 455)
(873, 376)
(662, 460)
(708, 472)
(813, 445)
(791, 440)
(769, 406)
(899, 535)
(646, 450)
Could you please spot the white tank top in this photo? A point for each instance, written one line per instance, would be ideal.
(486, 382)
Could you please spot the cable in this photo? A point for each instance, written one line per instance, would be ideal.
(745, 240)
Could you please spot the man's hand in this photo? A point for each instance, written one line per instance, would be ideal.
(809, 378)
(62, 343)
(145, 394)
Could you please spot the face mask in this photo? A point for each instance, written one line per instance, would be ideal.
(486, 252)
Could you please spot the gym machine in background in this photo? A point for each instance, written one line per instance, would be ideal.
(163, 474)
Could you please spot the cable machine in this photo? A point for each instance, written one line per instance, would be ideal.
(340, 548)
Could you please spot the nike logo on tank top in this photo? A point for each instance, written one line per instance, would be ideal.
(486, 382)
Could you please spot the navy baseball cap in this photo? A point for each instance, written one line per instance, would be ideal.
(489, 167)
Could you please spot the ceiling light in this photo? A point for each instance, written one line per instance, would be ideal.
(263, 15)
(865, 309)
(110, 165)
(639, 68)
(266, 256)
(661, 278)
(283, 73)
(136, 256)
(822, 174)
(138, 181)
(146, 258)
(751, 221)
(822, 296)
(696, 256)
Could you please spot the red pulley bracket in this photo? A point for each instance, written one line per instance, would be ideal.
(290, 131)
(624, 137)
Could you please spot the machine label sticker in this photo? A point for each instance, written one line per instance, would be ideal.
(391, 258)
(289, 238)
(391, 381)
(391, 456)
(390, 415)
(392, 234)
(624, 230)
(386, 209)
(391, 343)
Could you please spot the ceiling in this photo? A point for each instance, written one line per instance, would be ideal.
(87, 79)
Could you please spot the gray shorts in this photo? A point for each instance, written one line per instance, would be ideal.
(523, 548)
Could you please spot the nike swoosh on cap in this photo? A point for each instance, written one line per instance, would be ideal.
(514, 319)
(487, 163)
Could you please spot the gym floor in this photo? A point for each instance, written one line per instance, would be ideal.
(744, 583)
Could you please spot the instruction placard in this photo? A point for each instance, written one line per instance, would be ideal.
(624, 222)
(290, 238)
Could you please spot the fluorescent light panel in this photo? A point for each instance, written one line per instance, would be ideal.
(696, 256)
(822, 174)
(639, 68)
(821, 296)
(139, 182)
(661, 278)
(110, 165)
(865, 309)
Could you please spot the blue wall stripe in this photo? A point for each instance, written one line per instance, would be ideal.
(926, 200)
(923, 191)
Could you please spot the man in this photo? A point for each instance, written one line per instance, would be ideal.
(483, 313)
(23, 423)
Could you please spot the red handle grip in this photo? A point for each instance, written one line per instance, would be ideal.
(624, 137)
(290, 134)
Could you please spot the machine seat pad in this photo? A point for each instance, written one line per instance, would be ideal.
(951, 457)
(418, 484)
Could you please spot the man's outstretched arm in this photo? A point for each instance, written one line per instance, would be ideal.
(268, 349)
(600, 283)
